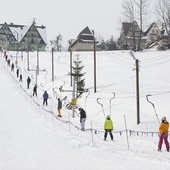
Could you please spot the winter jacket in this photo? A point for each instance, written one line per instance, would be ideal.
(82, 114)
(164, 126)
(35, 89)
(28, 80)
(108, 124)
(45, 95)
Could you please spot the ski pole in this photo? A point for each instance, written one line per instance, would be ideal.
(101, 105)
(153, 106)
(111, 101)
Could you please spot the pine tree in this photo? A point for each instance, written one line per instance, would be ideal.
(102, 45)
(78, 76)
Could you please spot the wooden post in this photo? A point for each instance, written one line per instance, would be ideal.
(52, 64)
(94, 62)
(137, 91)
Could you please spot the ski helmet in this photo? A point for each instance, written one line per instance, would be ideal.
(163, 118)
(108, 117)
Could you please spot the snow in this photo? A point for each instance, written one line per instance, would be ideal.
(32, 136)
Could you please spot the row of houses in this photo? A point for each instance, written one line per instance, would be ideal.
(22, 38)
(131, 36)
(153, 36)
(29, 38)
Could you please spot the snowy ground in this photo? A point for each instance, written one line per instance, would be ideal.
(32, 138)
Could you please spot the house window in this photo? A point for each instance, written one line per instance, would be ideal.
(32, 41)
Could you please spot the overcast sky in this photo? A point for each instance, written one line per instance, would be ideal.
(67, 17)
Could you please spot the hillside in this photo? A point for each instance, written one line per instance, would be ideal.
(32, 138)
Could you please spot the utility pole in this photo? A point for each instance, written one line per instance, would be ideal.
(17, 39)
(27, 57)
(37, 60)
(137, 88)
(52, 64)
(70, 49)
(71, 68)
(137, 91)
(17, 48)
(73, 97)
(37, 70)
(94, 44)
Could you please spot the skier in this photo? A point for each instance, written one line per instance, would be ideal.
(20, 77)
(28, 82)
(17, 72)
(59, 107)
(4, 53)
(82, 118)
(35, 90)
(12, 67)
(6, 57)
(108, 127)
(45, 98)
(8, 62)
(163, 129)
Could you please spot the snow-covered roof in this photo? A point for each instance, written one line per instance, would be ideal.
(19, 31)
(42, 32)
(83, 40)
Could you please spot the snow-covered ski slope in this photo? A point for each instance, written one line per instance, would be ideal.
(32, 138)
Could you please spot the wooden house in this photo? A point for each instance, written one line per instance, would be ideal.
(130, 36)
(21, 38)
(83, 42)
(152, 34)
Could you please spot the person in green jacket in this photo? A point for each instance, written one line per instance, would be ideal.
(108, 127)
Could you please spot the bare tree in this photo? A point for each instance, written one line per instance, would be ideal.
(136, 10)
(57, 43)
(128, 10)
(129, 14)
(142, 11)
(162, 8)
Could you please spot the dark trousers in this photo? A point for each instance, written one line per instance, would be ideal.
(28, 85)
(106, 132)
(45, 102)
(34, 93)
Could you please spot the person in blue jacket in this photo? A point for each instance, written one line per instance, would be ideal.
(45, 98)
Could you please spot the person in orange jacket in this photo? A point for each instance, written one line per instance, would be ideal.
(163, 129)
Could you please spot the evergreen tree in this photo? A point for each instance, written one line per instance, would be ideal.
(78, 76)
(102, 45)
(111, 44)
